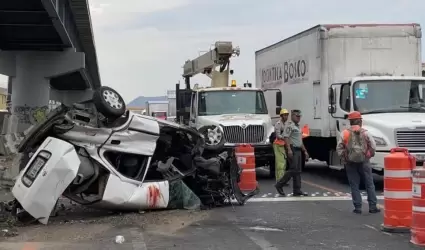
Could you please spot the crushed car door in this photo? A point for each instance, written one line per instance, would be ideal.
(49, 172)
(140, 137)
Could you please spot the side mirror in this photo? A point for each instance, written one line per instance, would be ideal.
(278, 110)
(331, 96)
(278, 99)
(331, 109)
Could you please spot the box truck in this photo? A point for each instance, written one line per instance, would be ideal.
(158, 109)
(330, 70)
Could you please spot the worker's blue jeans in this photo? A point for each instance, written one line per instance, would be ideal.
(355, 173)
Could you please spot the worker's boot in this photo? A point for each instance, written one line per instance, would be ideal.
(279, 189)
(297, 186)
(374, 210)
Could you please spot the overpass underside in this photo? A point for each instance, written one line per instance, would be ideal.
(44, 49)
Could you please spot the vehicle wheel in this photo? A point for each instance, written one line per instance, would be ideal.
(109, 102)
(214, 137)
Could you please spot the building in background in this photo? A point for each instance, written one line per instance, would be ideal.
(137, 110)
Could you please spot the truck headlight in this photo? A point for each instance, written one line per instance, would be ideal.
(380, 141)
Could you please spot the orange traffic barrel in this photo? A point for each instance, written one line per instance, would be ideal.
(398, 167)
(246, 159)
(418, 207)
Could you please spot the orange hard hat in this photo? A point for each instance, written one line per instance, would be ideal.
(354, 115)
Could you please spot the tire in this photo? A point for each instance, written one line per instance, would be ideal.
(217, 145)
(109, 102)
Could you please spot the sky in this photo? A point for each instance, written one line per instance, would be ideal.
(143, 44)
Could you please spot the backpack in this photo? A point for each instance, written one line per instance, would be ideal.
(357, 146)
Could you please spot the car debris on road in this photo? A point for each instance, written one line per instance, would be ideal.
(99, 154)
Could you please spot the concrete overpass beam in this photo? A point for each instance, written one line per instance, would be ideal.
(61, 63)
(31, 84)
(7, 63)
(69, 97)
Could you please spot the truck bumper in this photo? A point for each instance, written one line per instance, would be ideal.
(377, 161)
(264, 154)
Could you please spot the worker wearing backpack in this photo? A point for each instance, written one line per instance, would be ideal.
(355, 147)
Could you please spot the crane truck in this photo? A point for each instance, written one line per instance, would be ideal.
(226, 115)
(328, 71)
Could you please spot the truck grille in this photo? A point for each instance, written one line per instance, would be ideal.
(411, 138)
(250, 134)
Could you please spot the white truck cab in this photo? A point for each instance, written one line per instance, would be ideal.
(227, 115)
(392, 108)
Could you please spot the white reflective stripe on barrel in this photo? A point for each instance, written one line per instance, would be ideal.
(398, 173)
(398, 194)
(418, 209)
(418, 180)
(245, 154)
(248, 170)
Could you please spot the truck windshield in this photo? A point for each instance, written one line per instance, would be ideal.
(389, 96)
(231, 102)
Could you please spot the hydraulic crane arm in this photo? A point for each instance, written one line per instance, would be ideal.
(206, 63)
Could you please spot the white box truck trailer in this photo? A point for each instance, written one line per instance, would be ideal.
(330, 70)
(157, 109)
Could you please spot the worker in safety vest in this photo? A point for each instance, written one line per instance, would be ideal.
(279, 145)
(295, 149)
(355, 148)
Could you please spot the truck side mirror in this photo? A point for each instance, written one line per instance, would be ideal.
(279, 99)
(278, 110)
(331, 96)
(331, 109)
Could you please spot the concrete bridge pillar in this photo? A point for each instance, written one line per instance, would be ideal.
(31, 91)
(30, 73)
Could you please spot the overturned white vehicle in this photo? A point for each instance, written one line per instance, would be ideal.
(98, 154)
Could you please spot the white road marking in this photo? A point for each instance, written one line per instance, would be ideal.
(305, 198)
(374, 228)
(258, 228)
(259, 240)
(138, 240)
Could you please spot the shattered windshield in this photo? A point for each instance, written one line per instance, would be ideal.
(231, 102)
(389, 96)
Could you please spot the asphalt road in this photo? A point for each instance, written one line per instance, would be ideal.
(321, 221)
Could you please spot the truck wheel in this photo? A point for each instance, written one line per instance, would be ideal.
(109, 102)
(214, 137)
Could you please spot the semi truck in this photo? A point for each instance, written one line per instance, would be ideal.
(226, 114)
(157, 109)
(328, 71)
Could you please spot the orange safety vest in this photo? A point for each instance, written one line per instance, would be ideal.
(346, 134)
(279, 142)
(305, 131)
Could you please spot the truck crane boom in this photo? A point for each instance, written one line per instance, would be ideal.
(207, 64)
